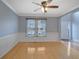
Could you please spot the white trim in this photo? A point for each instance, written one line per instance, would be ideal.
(8, 36)
(51, 36)
(7, 43)
(7, 4)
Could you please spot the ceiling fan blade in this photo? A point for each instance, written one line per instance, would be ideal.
(52, 6)
(49, 1)
(37, 9)
(36, 3)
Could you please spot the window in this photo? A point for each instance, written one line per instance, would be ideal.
(41, 27)
(36, 27)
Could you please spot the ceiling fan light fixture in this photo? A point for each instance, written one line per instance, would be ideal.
(45, 5)
(42, 9)
(46, 9)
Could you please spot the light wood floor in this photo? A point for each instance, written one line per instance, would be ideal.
(49, 50)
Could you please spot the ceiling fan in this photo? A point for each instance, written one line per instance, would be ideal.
(45, 5)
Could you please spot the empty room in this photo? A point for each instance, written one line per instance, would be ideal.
(39, 29)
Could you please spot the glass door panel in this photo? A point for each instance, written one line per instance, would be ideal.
(41, 27)
(66, 28)
(30, 27)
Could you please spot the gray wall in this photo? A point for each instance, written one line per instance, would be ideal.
(8, 20)
(8, 26)
(52, 24)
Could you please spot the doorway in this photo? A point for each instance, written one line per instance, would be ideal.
(70, 27)
(66, 28)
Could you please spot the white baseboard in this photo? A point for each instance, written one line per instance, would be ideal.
(7, 43)
(51, 36)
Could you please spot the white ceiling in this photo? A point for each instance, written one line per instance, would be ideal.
(26, 7)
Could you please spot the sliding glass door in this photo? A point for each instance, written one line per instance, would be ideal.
(75, 26)
(70, 26)
(66, 28)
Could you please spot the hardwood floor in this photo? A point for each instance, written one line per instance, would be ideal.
(48, 50)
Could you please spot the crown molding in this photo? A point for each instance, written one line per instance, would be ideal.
(8, 5)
